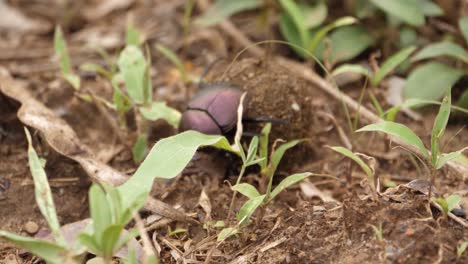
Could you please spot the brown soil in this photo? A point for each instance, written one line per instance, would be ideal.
(332, 225)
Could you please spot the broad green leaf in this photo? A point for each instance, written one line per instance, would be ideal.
(121, 101)
(431, 81)
(354, 68)
(440, 124)
(43, 193)
(100, 211)
(398, 130)
(288, 181)
(314, 15)
(227, 232)
(133, 66)
(174, 59)
(167, 159)
(110, 238)
(463, 24)
(408, 37)
(159, 110)
(346, 43)
(132, 35)
(50, 252)
(219, 224)
(278, 155)
(409, 11)
(140, 147)
(446, 157)
(248, 209)
(319, 35)
(291, 34)
(223, 9)
(61, 51)
(444, 48)
(292, 10)
(346, 152)
(391, 63)
(453, 201)
(90, 243)
(252, 151)
(246, 189)
(429, 8)
(463, 100)
(263, 145)
(443, 203)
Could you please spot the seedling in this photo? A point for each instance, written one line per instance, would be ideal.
(103, 237)
(61, 51)
(435, 159)
(378, 231)
(461, 249)
(268, 166)
(373, 181)
(448, 203)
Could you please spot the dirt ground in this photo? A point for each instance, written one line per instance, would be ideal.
(320, 220)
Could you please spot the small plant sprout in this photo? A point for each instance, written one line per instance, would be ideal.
(369, 170)
(61, 51)
(176, 61)
(378, 231)
(448, 203)
(461, 249)
(434, 158)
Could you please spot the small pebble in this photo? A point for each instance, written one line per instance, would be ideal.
(31, 227)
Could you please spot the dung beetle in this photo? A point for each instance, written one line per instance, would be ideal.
(213, 110)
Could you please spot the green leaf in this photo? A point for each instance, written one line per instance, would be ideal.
(159, 110)
(314, 15)
(446, 157)
(227, 232)
(431, 81)
(61, 51)
(409, 11)
(463, 24)
(291, 34)
(288, 181)
(43, 193)
(246, 189)
(222, 9)
(443, 203)
(354, 68)
(453, 201)
(166, 160)
(132, 35)
(50, 252)
(440, 124)
(278, 155)
(431, 9)
(346, 43)
(100, 211)
(248, 209)
(174, 59)
(90, 243)
(133, 67)
(318, 37)
(252, 152)
(398, 130)
(346, 152)
(292, 11)
(121, 101)
(391, 63)
(93, 67)
(461, 248)
(444, 48)
(110, 238)
(263, 145)
(463, 100)
(140, 147)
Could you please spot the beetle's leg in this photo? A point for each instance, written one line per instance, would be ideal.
(264, 120)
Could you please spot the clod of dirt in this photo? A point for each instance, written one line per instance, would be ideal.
(31, 227)
(273, 92)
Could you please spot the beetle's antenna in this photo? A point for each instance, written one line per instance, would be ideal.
(201, 83)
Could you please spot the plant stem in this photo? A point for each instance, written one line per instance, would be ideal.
(433, 172)
(235, 192)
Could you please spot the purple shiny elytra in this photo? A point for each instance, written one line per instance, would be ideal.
(213, 110)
